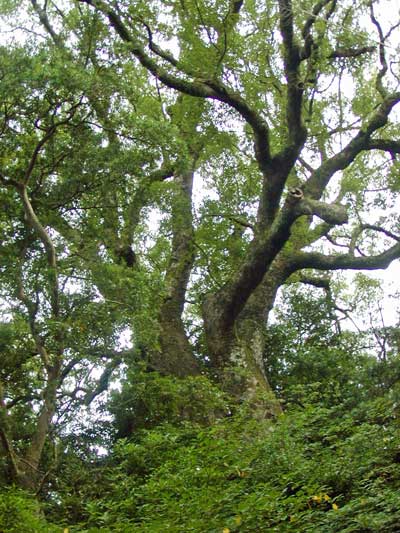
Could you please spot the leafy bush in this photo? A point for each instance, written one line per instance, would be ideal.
(148, 399)
(316, 469)
(20, 512)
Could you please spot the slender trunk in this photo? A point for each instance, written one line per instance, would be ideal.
(175, 355)
(33, 457)
(25, 467)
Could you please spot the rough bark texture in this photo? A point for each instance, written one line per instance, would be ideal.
(240, 353)
(175, 356)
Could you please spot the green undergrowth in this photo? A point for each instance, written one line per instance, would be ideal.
(20, 512)
(316, 469)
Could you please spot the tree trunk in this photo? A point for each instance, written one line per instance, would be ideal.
(238, 353)
(25, 467)
(175, 355)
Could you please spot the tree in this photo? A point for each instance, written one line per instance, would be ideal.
(283, 111)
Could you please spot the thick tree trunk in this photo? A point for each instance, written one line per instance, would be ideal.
(238, 353)
(245, 376)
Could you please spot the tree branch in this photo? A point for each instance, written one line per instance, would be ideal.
(233, 218)
(276, 171)
(232, 297)
(351, 52)
(41, 12)
(199, 88)
(374, 227)
(5, 437)
(167, 56)
(320, 283)
(36, 152)
(320, 178)
(296, 131)
(306, 32)
(103, 381)
(320, 261)
(387, 145)
(332, 214)
(382, 58)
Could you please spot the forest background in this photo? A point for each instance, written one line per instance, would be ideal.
(184, 185)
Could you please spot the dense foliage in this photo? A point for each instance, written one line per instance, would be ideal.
(331, 463)
(179, 183)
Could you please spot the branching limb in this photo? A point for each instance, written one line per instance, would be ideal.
(382, 58)
(49, 134)
(233, 218)
(32, 308)
(37, 226)
(341, 53)
(163, 54)
(232, 297)
(374, 227)
(387, 145)
(332, 214)
(103, 381)
(306, 32)
(263, 250)
(49, 247)
(276, 171)
(211, 89)
(361, 228)
(41, 12)
(5, 437)
(296, 130)
(306, 165)
(230, 19)
(320, 261)
(320, 283)
(361, 141)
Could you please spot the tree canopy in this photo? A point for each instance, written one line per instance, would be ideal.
(166, 169)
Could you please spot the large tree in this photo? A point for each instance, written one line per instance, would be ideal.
(167, 167)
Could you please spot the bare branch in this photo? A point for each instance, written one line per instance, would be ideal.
(382, 58)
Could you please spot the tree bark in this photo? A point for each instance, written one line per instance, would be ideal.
(175, 355)
(238, 354)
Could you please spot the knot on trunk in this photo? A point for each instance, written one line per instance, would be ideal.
(295, 195)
